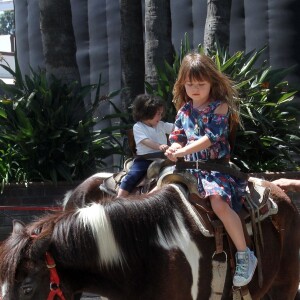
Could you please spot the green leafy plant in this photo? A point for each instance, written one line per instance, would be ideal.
(124, 126)
(46, 132)
(269, 139)
(10, 169)
(7, 22)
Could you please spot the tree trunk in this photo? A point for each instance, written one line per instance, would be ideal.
(58, 39)
(59, 48)
(217, 26)
(132, 50)
(158, 39)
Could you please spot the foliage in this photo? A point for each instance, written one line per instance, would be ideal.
(7, 22)
(167, 76)
(46, 133)
(269, 139)
(124, 127)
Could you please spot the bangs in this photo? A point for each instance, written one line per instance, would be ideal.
(198, 73)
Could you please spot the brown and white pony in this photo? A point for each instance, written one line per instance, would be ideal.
(148, 249)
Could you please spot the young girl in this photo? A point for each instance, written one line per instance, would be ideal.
(149, 135)
(204, 98)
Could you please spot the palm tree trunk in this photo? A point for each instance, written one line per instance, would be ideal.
(158, 39)
(132, 50)
(217, 27)
(59, 47)
(58, 39)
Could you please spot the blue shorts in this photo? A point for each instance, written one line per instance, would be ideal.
(136, 173)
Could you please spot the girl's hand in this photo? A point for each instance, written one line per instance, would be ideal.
(171, 152)
(163, 147)
(179, 152)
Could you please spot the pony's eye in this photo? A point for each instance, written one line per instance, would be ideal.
(27, 290)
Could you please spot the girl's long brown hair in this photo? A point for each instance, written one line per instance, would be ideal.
(199, 67)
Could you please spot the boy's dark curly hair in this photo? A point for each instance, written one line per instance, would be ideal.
(145, 107)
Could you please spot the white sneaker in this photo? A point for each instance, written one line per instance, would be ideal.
(246, 263)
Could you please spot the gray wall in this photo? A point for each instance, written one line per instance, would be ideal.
(275, 23)
(97, 30)
(96, 24)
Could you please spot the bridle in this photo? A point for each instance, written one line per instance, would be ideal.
(55, 289)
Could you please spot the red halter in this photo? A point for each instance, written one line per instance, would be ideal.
(55, 289)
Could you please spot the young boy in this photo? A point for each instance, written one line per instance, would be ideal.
(149, 135)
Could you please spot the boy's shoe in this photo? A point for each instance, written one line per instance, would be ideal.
(246, 263)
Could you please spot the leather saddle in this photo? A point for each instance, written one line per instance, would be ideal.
(111, 184)
(163, 171)
(257, 199)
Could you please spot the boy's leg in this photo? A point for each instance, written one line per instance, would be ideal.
(137, 171)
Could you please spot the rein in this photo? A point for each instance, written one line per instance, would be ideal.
(55, 289)
(221, 165)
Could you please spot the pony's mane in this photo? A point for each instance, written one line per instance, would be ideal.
(126, 229)
(136, 226)
(153, 218)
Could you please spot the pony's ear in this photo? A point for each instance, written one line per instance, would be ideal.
(18, 226)
(39, 247)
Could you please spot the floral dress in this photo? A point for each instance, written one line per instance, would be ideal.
(192, 124)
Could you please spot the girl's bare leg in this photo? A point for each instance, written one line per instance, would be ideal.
(230, 220)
